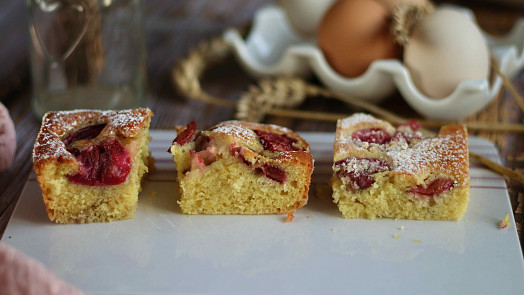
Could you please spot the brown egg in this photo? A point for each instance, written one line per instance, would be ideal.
(353, 34)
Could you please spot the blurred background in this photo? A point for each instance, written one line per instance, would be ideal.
(173, 26)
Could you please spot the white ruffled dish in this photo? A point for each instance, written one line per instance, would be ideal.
(273, 48)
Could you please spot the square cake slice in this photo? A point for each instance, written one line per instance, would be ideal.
(241, 168)
(90, 163)
(383, 171)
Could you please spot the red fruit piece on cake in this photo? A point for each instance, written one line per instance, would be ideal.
(186, 135)
(372, 135)
(90, 163)
(241, 168)
(383, 171)
(103, 163)
(358, 172)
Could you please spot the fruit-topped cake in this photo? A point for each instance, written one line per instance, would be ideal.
(383, 171)
(90, 163)
(241, 168)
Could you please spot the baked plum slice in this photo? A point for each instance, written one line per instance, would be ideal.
(274, 142)
(186, 135)
(104, 163)
(434, 188)
(85, 133)
(406, 131)
(372, 135)
(268, 170)
(274, 173)
(357, 172)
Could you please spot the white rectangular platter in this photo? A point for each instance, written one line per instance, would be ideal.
(162, 251)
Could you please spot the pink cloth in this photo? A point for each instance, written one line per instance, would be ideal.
(7, 139)
(22, 275)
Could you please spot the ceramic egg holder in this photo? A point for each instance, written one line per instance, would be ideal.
(273, 48)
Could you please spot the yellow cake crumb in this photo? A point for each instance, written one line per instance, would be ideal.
(416, 241)
(290, 217)
(505, 222)
(396, 237)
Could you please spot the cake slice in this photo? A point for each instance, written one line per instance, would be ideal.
(383, 171)
(241, 168)
(90, 163)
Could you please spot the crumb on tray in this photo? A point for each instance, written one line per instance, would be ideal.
(290, 217)
(505, 222)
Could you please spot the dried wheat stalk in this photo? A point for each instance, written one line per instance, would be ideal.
(507, 83)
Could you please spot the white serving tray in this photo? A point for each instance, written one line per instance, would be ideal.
(162, 251)
(274, 48)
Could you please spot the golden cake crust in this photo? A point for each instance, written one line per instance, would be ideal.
(56, 125)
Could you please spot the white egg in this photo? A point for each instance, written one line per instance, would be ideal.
(445, 48)
(305, 15)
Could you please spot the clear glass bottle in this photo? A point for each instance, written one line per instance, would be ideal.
(87, 54)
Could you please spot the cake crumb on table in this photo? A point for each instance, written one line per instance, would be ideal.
(505, 222)
(416, 241)
(290, 217)
(396, 237)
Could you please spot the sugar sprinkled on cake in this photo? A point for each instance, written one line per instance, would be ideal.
(236, 131)
(57, 124)
(383, 171)
(357, 118)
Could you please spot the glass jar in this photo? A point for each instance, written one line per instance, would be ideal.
(87, 54)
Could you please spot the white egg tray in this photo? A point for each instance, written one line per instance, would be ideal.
(274, 48)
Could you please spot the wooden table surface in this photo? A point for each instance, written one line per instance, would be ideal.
(172, 27)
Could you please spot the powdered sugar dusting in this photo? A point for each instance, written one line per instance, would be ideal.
(245, 131)
(356, 119)
(278, 128)
(57, 125)
(127, 122)
(446, 154)
(49, 146)
(235, 130)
